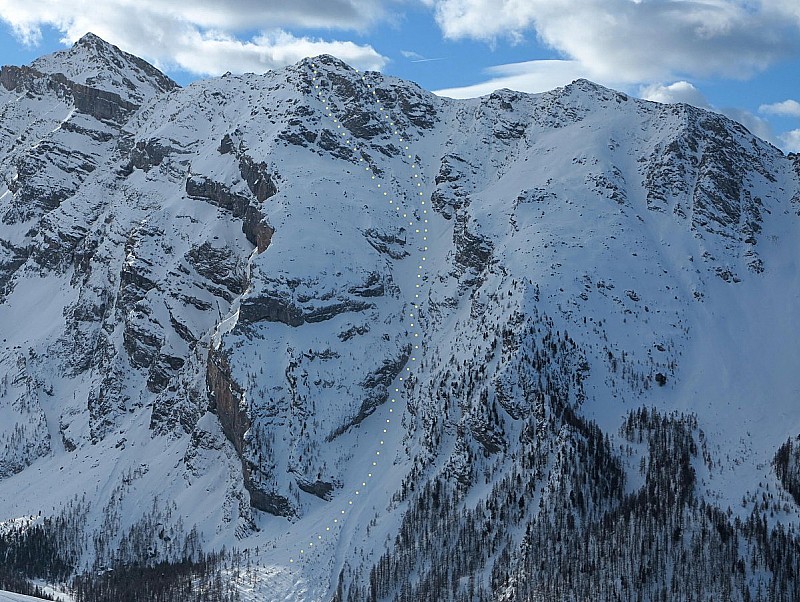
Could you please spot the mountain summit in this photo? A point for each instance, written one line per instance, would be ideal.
(94, 62)
(392, 346)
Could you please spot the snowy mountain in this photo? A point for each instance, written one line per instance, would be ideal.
(391, 346)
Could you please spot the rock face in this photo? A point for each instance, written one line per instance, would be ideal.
(227, 401)
(473, 348)
(255, 229)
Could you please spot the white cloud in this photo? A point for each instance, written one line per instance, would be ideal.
(638, 41)
(213, 54)
(530, 76)
(200, 35)
(791, 141)
(681, 91)
(787, 108)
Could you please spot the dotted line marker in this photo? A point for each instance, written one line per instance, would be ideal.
(420, 228)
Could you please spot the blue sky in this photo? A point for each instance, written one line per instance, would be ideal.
(739, 57)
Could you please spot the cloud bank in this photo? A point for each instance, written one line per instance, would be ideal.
(638, 40)
(199, 36)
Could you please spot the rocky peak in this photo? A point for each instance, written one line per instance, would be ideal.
(91, 40)
(329, 62)
(590, 92)
(95, 63)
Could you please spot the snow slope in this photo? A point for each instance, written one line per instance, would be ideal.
(11, 597)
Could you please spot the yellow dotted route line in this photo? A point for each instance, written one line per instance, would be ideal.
(420, 229)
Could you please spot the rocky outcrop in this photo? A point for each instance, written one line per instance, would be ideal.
(270, 307)
(257, 231)
(266, 501)
(144, 340)
(297, 131)
(18, 78)
(278, 307)
(35, 192)
(201, 187)
(321, 489)
(390, 243)
(141, 344)
(220, 266)
(472, 250)
(453, 185)
(134, 283)
(795, 159)
(100, 104)
(372, 287)
(11, 258)
(326, 312)
(257, 177)
(226, 399)
(363, 125)
(147, 154)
